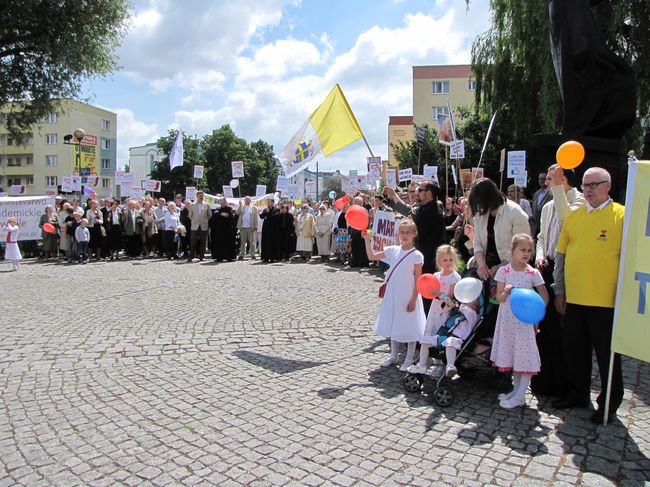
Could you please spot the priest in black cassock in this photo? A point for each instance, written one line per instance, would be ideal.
(222, 232)
(270, 232)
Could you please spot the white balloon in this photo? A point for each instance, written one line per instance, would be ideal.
(468, 289)
(234, 183)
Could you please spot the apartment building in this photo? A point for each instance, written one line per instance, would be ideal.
(43, 157)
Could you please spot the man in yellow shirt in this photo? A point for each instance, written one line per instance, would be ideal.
(586, 273)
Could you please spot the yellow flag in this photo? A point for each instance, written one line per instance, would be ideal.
(331, 127)
(632, 310)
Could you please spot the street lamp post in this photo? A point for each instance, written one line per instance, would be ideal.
(75, 139)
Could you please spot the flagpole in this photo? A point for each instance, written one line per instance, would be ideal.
(609, 388)
(446, 172)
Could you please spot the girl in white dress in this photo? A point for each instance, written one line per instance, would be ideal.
(446, 261)
(12, 252)
(514, 347)
(401, 314)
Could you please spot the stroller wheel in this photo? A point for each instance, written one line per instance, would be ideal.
(412, 382)
(443, 396)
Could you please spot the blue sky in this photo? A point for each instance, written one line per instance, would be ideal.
(264, 65)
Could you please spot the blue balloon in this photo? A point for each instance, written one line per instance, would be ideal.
(332, 195)
(527, 306)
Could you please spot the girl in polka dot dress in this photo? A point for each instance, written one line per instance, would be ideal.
(514, 347)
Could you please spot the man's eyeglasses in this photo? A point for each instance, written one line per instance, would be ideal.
(592, 186)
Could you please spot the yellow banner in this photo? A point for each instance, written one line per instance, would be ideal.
(632, 311)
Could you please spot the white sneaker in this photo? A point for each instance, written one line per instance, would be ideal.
(436, 371)
(388, 361)
(505, 395)
(417, 369)
(513, 402)
(405, 366)
(451, 370)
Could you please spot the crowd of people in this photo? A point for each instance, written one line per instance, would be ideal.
(545, 243)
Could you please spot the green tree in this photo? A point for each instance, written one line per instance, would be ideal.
(514, 72)
(222, 146)
(48, 48)
(176, 180)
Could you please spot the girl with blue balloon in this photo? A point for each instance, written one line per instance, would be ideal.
(514, 347)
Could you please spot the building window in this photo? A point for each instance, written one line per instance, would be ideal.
(51, 160)
(51, 181)
(106, 144)
(29, 161)
(106, 125)
(28, 139)
(52, 117)
(29, 180)
(106, 182)
(50, 139)
(471, 84)
(106, 163)
(439, 111)
(13, 161)
(13, 181)
(4, 117)
(440, 87)
(10, 140)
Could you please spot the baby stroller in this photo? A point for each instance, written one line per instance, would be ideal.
(473, 356)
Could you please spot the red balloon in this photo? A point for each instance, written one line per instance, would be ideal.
(357, 217)
(426, 284)
(341, 202)
(49, 228)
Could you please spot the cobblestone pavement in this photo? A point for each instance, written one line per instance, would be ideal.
(167, 373)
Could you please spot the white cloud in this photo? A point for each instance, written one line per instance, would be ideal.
(131, 133)
(266, 91)
(168, 37)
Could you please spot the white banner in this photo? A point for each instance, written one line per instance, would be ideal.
(130, 190)
(237, 169)
(198, 172)
(384, 230)
(124, 177)
(27, 211)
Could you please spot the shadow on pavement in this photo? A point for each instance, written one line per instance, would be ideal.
(278, 365)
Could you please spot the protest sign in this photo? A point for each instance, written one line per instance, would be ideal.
(152, 185)
(260, 190)
(71, 184)
(17, 189)
(516, 163)
(431, 172)
(190, 193)
(292, 191)
(384, 230)
(237, 169)
(282, 184)
(227, 191)
(405, 174)
(457, 149)
(310, 188)
(522, 179)
(391, 177)
(198, 172)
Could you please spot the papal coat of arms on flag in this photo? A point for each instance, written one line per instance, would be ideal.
(303, 151)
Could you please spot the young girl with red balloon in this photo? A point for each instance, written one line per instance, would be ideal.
(441, 287)
(514, 347)
(12, 252)
(401, 314)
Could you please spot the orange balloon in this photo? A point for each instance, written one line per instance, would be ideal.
(357, 217)
(570, 154)
(426, 284)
